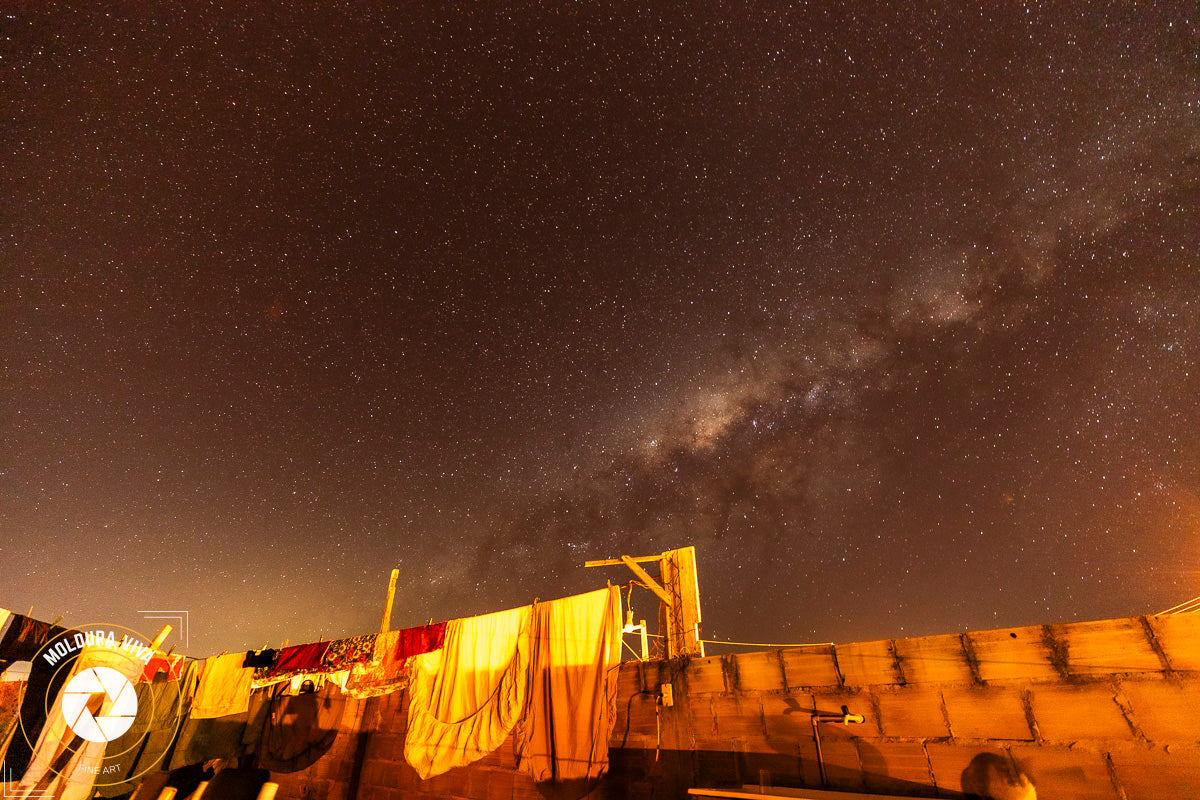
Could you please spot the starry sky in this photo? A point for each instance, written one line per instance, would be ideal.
(893, 313)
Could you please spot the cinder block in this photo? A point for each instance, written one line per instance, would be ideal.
(728, 723)
(385, 746)
(994, 712)
(772, 769)
(1073, 713)
(760, 672)
(934, 659)
(787, 718)
(1166, 712)
(842, 767)
(628, 679)
(1013, 655)
(524, 788)
(704, 676)
(867, 663)
(635, 717)
(1150, 775)
(911, 713)
(950, 762)
(830, 702)
(719, 767)
(455, 782)
(1179, 637)
(809, 667)
(1060, 772)
(1107, 646)
(895, 767)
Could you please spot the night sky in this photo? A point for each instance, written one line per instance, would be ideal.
(893, 313)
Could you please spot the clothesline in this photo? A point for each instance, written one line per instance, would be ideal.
(754, 644)
(542, 674)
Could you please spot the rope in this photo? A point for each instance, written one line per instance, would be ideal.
(768, 644)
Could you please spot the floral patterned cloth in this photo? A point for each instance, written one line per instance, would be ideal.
(344, 652)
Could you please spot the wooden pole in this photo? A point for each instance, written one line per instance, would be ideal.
(162, 635)
(387, 607)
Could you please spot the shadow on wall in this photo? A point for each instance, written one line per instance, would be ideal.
(990, 776)
(567, 790)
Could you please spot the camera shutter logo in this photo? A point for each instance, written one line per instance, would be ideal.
(119, 694)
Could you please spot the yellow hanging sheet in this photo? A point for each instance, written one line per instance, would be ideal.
(466, 697)
(576, 649)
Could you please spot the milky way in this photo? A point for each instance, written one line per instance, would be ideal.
(894, 314)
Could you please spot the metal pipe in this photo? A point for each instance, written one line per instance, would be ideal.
(846, 718)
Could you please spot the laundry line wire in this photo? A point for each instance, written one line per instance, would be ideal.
(755, 644)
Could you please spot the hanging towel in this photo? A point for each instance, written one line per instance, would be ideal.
(224, 687)
(576, 646)
(415, 641)
(172, 664)
(465, 698)
(300, 658)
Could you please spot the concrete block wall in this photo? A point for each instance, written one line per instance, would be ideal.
(1107, 709)
(1095, 709)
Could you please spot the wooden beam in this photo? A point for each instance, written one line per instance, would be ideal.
(612, 562)
(651, 584)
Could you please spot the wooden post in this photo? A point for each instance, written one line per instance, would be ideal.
(158, 640)
(387, 607)
(679, 574)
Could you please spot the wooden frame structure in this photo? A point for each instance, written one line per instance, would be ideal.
(679, 593)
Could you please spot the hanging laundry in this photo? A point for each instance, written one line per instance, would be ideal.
(341, 653)
(383, 673)
(224, 687)
(171, 664)
(260, 659)
(575, 650)
(145, 747)
(300, 728)
(4, 615)
(230, 736)
(64, 766)
(10, 710)
(25, 638)
(415, 641)
(300, 658)
(465, 698)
